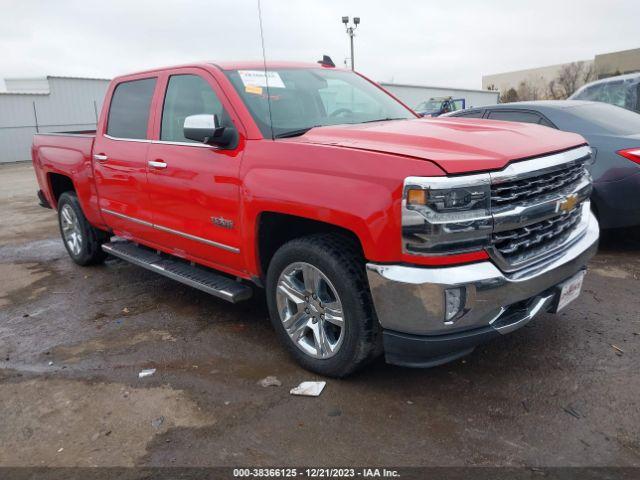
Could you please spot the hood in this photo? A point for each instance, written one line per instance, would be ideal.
(457, 145)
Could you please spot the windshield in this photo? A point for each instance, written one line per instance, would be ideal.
(429, 106)
(305, 98)
(620, 93)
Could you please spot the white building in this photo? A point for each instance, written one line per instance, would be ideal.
(58, 104)
(412, 95)
(51, 104)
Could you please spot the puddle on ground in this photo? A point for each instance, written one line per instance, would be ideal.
(16, 276)
(72, 423)
(611, 272)
(73, 353)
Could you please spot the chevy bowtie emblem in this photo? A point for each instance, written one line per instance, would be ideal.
(568, 203)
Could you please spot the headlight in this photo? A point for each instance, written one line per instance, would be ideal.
(446, 215)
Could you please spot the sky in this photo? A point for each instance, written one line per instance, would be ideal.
(440, 43)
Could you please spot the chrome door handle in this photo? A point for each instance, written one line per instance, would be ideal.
(157, 164)
(100, 158)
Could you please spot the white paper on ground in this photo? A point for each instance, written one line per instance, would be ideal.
(308, 389)
(146, 373)
(257, 78)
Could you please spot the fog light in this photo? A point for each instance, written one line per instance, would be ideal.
(454, 302)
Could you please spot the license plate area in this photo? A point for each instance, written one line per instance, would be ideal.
(568, 291)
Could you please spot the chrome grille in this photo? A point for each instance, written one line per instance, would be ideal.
(529, 202)
(532, 187)
(531, 241)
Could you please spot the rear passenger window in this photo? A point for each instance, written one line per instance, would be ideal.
(514, 116)
(470, 114)
(188, 95)
(546, 123)
(129, 110)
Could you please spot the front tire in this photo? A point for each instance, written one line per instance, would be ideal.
(82, 240)
(320, 305)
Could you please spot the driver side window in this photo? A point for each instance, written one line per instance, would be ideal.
(188, 95)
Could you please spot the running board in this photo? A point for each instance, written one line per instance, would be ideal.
(194, 276)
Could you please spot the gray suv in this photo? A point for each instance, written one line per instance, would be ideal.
(621, 91)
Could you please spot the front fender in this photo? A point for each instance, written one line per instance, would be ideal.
(356, 190)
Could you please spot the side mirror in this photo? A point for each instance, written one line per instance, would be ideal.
(206, 128)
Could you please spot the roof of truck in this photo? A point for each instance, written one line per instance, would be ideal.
(238, 65)
(259, 65)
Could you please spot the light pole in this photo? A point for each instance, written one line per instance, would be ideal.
(351, 33)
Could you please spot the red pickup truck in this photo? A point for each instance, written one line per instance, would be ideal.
(370, 229)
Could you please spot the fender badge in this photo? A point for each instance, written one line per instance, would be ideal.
(222, 222)
(568, 203)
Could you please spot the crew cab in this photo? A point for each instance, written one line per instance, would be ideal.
(370, 229)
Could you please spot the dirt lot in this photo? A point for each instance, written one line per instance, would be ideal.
(72, 341)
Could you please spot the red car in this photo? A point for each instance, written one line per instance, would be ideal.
(370, 229)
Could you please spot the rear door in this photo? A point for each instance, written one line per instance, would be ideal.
(193, 187)
(120, 158)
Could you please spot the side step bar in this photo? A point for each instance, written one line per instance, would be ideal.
(197, 277)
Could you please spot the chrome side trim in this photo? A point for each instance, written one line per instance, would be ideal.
(161, 142)
(174, 232)
(127, 217)
(184, 144)
(198, 239)
(119, 139)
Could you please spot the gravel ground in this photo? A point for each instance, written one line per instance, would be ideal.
(562, 391)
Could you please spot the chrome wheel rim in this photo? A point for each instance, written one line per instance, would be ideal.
(310, 310)
(71, 229)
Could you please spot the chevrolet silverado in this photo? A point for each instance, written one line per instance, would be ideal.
(372, 231)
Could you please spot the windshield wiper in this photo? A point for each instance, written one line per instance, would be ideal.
(295, 133)
(388, 119)
(302, 131)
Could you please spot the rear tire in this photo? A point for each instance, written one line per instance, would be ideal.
(312, 282)
(82, 240)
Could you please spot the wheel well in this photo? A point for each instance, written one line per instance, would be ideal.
(276, 229)
(60, 184)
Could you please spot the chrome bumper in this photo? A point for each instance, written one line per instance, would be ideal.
(412, 299)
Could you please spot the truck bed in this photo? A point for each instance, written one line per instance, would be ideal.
(66, 156)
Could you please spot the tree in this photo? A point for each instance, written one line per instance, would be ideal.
(571, 76)
(510, 96)
(528, 91)
(554, 92)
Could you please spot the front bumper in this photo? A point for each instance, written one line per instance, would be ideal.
(410, 301)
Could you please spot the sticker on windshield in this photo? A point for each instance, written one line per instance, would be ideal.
(257, 78)
(253, 89)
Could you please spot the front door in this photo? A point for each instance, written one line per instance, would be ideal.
(120, 159)
(193, 187)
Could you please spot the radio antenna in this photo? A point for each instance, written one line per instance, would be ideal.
(266, 77)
